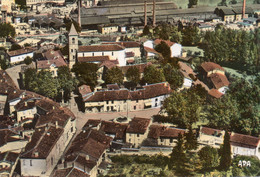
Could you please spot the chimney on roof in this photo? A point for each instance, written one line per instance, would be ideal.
(36, 154)
(154, 16)
(25, 103)
(87, 157)
(53, 107)
(145, 13)
(244, 9)
(56, 124)
(48, 133)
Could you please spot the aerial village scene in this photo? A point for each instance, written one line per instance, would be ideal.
(129, 88)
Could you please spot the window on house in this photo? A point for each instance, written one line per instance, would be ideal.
(112, 53)
(93, 54)
(102, 53)
(71, 129)
(107, 102)
(137, 134)
(112, 102)
(30, 162)
(155, 104)
(107, 108)
(71, 50)
(73, 40)
(161, 140)
(156, 99)
(134, 107)
(171, 140)
(52, 161)
(137, 101)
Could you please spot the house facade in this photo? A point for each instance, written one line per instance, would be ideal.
(211, 137)
(19, 55)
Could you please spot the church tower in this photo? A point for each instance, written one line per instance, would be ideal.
(73, 45)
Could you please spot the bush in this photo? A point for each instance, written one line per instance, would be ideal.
(28, 60)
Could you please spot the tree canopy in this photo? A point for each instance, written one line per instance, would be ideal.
(114, 75)
(86, 73)
(28, 60)
(6, 30)
(133, 75)
(173, 76)
(153, 75)
(209, 157)
(225, 153)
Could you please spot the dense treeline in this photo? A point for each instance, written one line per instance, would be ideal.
(233, 47)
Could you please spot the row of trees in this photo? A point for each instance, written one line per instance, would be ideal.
(43, 83)
(189, 35)
(227, 46)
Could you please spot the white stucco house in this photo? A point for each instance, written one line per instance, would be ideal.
(19, 55)
(176, 49)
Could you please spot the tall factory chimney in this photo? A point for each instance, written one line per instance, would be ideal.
(244, 9)
(154, 20)
(79, 17)
(145, 13)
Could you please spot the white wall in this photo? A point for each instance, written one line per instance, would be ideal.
(20, 58)
(120, 55)
(223, 89)
(37, 167)
(176, 50)
(158, 100)
(148, 43)
(187, 83)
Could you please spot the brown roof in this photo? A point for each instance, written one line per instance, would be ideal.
(219, 80)
(84, 90)
(69, 172)
(43, 64)
(100, 48)
(9, 156)
(62, 172)
(47, 104)
(126, 44)
(141, 67)
(158, 41)
(109, 95)
(25, 105)
(157, 131)
(7, 136)
(210, 66)
(20, 52)
(148, 91)
(52, 55)
(198, 82)
(150, 50)
(109, 63)
(93, 59)
(118, 129)
(138, 125)
(215, 93)
(7, 85)
(210, 131)
(90, 142)
(78, 173)
(42, 142)
(92, 123)
(186, 70)
(244, 140)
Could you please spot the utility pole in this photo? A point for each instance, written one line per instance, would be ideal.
(154, 15)
(145, 13)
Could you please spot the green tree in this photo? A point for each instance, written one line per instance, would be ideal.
(28, 60)
(42, 83)
(173, 76)
(164, 49)
(191, 36)
(67, 83)
(86, 73)
(223, 112)
(133, 75)
(7, 30)
(65, 50)
(209, 157)
(114, 75)
(153, 75)
(192, 3)
(225, 153)
(178, 157)
(183, 108)
(191, 142)
(15, 47)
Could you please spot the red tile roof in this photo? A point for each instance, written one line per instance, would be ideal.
(20, 52)
(100, 48)
(126, 44)
(158, 41)
(113, 87)
(118, 129)
(52, 55)
(219, 80)
(150, 50)
(44, 64)
(109, 64)
(244, 140)
(210, 66)
(157, 131)
(92, 123)
(138, 125)
(7, 136)
(109, 95)
(186, 70)
(93, 59)
(215, 93)
(84, 90)
(210, 131)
